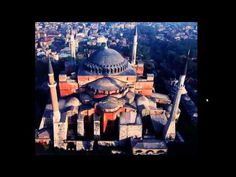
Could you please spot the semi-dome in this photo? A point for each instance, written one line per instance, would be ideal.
(106, 61)
(110, 104)
(107, 84)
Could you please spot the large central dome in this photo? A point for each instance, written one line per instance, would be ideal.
(106, 61)
(106, 57)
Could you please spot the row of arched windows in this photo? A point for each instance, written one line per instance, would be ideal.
(95, 91)
(106, 70)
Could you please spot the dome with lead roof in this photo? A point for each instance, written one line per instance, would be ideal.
(106, 61)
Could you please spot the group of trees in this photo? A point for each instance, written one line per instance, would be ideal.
(171, 54)
(166, 58)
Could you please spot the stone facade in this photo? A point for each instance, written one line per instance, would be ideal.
(80, 125)
(96, 126)
(130, 125)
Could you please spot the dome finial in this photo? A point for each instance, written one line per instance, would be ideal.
(105, 45)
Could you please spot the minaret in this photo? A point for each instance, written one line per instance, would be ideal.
(72, 45)
(52, 85)
(55, 106)
(135, 43)
(169, 132)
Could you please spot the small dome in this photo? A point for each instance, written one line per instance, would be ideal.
(186, 98)
(73, 102)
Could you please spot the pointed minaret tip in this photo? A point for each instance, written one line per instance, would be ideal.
(186, 64)
(50, 70)
(188, 53)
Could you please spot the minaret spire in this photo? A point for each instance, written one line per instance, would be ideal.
(136, 30)
(50, 70)
(55, 105)
(56, 115)
(169, 132)
(52, 85)
(186, 64)
(135, 43)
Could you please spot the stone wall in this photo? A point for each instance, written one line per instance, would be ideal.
(96, 126)
(144, 87)
(80, 125)
(130, 130)
(68, 88)
(139, 69)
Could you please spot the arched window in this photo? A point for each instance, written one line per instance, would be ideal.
(138, 152)
(149, 152)
(104, 70)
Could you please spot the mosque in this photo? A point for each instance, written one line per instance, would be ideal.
(109, 103)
